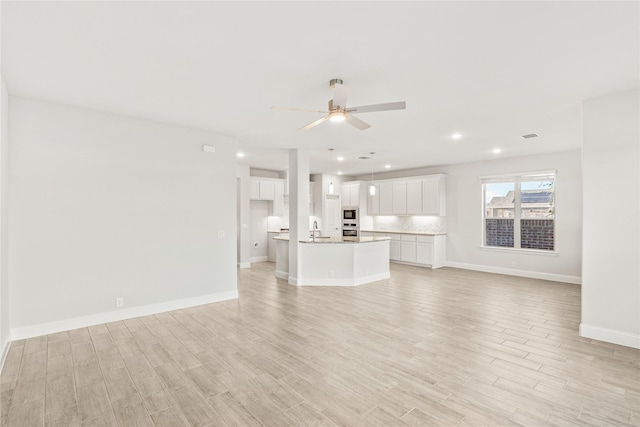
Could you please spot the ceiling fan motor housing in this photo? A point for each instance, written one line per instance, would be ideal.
(333, 82)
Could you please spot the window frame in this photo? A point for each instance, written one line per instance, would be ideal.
(517, 179)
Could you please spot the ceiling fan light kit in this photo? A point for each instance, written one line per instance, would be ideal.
(338, 111)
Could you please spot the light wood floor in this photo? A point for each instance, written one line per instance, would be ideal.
(445, 347)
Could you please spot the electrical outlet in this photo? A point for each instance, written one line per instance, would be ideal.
(513, 264)
(221, 234)
(119, 302)
(331, 273)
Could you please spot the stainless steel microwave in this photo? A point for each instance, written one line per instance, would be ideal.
(350, 214)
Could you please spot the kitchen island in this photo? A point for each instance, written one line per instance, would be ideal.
(335, 261)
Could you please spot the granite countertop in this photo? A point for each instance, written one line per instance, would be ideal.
(337, 239)
(420, 233)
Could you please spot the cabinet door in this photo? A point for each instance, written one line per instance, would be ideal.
(408, 252)
(254, 193)
(345, 195)
(386, 198)
(399, 198)
(394, 250)
(278, 198)
(354, 195)
(267, 190)
(414, 197)
(431, 196)
(424, 253)
(374, 201)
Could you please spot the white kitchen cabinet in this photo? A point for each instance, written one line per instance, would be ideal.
(408, 248)
(421, 195)
(399, 198)
(262, 189)
(386, 198)
(434, 195)
(414, 197)
(278, 199)
(394, 247)
(373, 202)
(424, 250)
(345, 195)
(350, 193)
(267, 190)
(254, 193)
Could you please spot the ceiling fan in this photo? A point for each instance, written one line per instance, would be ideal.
(338, 111)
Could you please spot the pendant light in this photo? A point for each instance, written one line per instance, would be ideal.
(332, 188)
(372, 187)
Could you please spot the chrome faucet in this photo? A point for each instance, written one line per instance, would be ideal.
(315, 227)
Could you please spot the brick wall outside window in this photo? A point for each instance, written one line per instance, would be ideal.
(499, 232)
(536, 234)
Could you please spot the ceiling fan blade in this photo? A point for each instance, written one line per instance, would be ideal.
(298, 109)
(354, 121)
(312, 124)
(378, 107)
(340, 94)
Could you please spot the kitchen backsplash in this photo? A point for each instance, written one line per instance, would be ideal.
(405, 223)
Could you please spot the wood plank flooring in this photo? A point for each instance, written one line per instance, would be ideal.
(444, 347)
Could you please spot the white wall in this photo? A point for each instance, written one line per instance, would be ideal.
(105, 206)
(464, 216)
(611, 254)
(4, 203)
(244, 233)
(259, 211)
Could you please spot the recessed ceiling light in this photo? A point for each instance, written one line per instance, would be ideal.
(340, 158)
(339, 173)
(240, 154)
(496, 151)
(456, 135)
(387, 166)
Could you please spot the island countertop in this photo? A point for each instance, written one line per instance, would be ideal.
(420, 233)
(339, 239)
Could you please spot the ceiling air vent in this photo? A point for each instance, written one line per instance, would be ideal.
(530, 135)
(363, 158)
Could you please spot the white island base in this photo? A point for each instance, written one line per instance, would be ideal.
(335, 262)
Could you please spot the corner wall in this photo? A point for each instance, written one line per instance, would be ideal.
(611, 232)
(106, 206)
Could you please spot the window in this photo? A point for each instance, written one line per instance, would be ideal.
(519, 211)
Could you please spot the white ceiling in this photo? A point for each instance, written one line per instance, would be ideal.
(490, 70)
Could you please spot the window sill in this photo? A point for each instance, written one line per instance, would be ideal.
(519, 251)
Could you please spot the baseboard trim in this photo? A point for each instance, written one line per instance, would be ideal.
(520, 273)
(610, 335)
(114, 316)
(259, 258)
(5, 351)
(244, 265)
(282, 275)
(344, 282)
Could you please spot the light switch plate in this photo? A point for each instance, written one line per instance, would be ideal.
(208, 148)
(222, 234)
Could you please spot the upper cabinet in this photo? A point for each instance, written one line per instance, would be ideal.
(270, 189)
(354, 195)
(421, 195)
(434, 195)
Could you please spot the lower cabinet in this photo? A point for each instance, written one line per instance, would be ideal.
(408, 248)
(424, 251)
(394, 248)
(419, 249)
